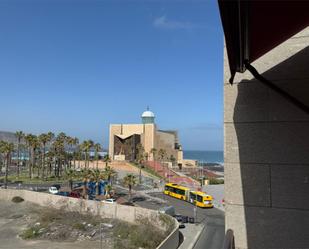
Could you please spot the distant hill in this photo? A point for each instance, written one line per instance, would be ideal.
(8, 136)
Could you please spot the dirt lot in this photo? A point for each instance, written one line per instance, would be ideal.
(20, 219)
(24, 225)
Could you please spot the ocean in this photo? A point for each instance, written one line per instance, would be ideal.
(204, 156)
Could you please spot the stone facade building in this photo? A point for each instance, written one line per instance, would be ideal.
(124, 139)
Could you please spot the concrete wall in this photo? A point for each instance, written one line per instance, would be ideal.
(266, 151)
(122, 212)
(166, 141)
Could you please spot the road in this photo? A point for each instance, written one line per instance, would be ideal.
(212, 236)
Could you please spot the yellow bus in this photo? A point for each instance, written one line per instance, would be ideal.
(200, 199)
(197, 198)
(177, 191)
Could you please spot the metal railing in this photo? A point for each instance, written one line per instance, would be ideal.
(229, 242)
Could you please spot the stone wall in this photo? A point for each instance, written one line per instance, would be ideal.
(115, 211)
(266, 151)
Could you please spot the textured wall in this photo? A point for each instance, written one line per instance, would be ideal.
(266, 151)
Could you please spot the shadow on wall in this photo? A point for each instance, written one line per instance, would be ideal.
(273, 150)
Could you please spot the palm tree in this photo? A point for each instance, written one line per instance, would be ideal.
(106, 159)
(109, 173)
(50, 154)
(162, 154)
(20, 135)
(129, 180)
(32, 144)
(108, 189)
(153, 151)
(97, 147)
(69, 174)
(87, 145)
(97, 176)
(6, 148)
(140, 159)
(59, 150)
(43, 140)
(172, 159)
(75, 143)
(86, 174)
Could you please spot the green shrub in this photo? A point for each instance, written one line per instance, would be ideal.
(215, 181)
(17, 199)
(30, 233)
(79, 226)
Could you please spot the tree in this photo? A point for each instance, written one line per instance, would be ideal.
(86, 174)
(106, 159)
(32, 143)
(129, 181)
(162, 154)
(6, 148)
(43, 140)
(153, 151)
(75, 143)
(140, 159)
(172, 159)
(108, 189)
(109, 173)
(97, 175)
(86, 146)
(97, 148)
(20, 135)
(58, 148)
(69, 175)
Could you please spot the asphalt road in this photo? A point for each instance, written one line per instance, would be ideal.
(212, 236)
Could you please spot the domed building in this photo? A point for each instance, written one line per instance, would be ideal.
(148, 117)
(125, 138)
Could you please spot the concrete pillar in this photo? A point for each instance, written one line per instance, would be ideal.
(266, 151)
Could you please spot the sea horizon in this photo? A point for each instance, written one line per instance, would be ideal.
(204, 156)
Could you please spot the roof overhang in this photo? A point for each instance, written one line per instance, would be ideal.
(252, 28)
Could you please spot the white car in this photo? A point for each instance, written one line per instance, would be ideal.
(53, 190)
(110, 201)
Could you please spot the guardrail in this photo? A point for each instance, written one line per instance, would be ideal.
(229, 242)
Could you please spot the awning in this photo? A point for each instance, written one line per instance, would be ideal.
(252, 28)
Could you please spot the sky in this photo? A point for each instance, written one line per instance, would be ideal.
(78, 66)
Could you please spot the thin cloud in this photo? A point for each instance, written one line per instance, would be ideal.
(163, 23)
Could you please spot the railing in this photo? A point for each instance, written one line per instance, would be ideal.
(229, 242)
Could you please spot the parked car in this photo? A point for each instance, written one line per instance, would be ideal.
(53, 190)
(57, 186)
(78, 184)
(138, 198)
(127, 203)
(63, 193)
(170, 210)
(74, 195)
(178, 217)
(181, 225)
(110, 201)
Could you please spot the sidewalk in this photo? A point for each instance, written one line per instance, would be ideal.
(191, 234)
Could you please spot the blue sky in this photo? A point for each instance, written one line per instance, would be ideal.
(78, 66)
